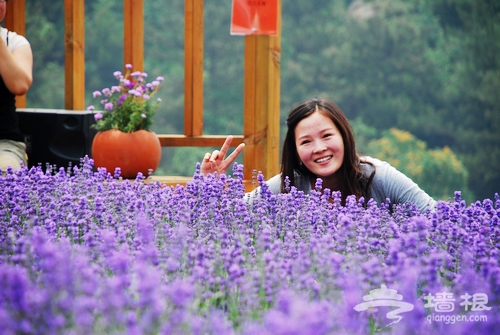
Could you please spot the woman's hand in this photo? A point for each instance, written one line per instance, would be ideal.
(215, 162)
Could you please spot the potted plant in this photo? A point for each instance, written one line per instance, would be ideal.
(124, 139)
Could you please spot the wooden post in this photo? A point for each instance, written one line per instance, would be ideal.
(15, 20)
(133, 26)
(262, 103)
(74, 44)
(193, 67)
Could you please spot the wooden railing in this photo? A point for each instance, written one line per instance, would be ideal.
(261, 82)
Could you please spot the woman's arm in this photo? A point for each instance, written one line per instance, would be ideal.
(16, 68)
(399, 188)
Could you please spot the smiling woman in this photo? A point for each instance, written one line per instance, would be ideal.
(320, 143)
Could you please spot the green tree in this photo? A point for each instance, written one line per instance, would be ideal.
(437, 171)
(471, 49)
(45, 32)
(428, 67)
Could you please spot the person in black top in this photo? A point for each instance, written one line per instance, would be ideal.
(16, 64)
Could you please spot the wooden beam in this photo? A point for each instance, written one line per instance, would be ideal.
(74, 44)
(193, 67)
(198, 141)
(274, 93)
(188, 66)
(133, 26)
(262, 102)
(15, 17)
(249, 102)
(173, 181)
(15, 20)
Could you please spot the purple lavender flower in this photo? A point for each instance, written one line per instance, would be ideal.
(180, 293)
(98, 116)
(295, 315)
(84, 251)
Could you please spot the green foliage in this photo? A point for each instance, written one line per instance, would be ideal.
(45, 32)
(364, 134)
(184, 160)
(438, 171)
(428, 67)
(103, 44)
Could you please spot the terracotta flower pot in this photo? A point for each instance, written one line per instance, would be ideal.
(134, 152)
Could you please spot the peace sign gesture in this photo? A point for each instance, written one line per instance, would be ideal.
(215, 162)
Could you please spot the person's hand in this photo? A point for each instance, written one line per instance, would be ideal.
(216, 162)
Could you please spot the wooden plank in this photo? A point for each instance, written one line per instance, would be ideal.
(273, 130)
(133, 26)
(74, 45)
(261, 112)
(197, 141)
(249, 103)
(15, 20)
(188, 66)
(193, 67)
(173, 181)
(262, 102)
(197, 126)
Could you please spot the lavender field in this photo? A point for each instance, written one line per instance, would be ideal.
(84, 252)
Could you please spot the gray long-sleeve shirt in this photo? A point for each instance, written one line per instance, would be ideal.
(388, 183)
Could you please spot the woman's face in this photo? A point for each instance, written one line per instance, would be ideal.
(319, 145)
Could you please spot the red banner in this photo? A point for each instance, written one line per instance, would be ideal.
(254, 17)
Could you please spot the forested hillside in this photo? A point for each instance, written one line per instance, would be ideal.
(427, 67)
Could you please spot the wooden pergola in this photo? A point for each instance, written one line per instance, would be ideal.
(261, 108)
